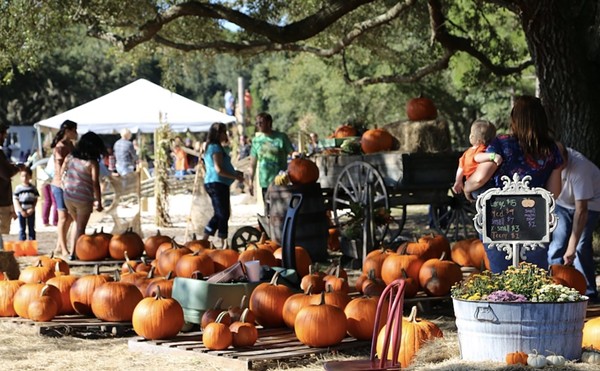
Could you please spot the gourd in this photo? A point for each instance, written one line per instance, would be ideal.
(536, 360)
(555, 360)
(516, 358)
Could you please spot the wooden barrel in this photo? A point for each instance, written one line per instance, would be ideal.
(312, 225)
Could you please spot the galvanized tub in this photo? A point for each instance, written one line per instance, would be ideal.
(490, 330)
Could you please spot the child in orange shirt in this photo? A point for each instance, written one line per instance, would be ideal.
(482, 132)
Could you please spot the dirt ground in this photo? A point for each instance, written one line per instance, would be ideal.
(21, 348)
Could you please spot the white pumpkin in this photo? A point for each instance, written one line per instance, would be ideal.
(591, 356)
(555, 360)
(536, 360)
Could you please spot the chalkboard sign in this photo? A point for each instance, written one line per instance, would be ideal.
(516, 217)
(515, 214)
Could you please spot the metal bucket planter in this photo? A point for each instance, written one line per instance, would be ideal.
(490, 330)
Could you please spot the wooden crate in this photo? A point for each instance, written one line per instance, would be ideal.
(272, 344)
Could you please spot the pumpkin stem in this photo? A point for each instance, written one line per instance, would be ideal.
(263, 238)
(275, 278)
(5, 274)
(197, 275)
(44, 290)
(130, 268)
(151, 272)
(218, 304)
(412, 317)
(97, 269)
(322, 298)
(169, 275)
(157, 293)
(243, 302)
(57, 267)
(126, 256)
(244, 314)
(443, 255)
(220, 316)
(117, 275)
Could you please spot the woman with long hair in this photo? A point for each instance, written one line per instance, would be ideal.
(530, 150)
(220, 174)
(62, 145)
(81, 181)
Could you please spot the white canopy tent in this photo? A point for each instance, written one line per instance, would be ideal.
(141, 107)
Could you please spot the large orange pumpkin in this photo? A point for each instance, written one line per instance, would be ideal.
(43, 308)
(167, 261)
(293, 305)
(92, 247)
(437, 276)
(267, 300)
(421, 109)
(197, 261)
(374, 260)
(303, 171)
(303, 260)
(83, 289)
(157, 317)
(415, 333)
(128, 241)
(320, 325)
(360, 313)
(30, 291)
(264, 256)
(115, 301)
(394, 264)
(64, 283)
(376, 140)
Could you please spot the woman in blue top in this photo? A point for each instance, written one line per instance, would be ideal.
(219, 176)
(528, 150)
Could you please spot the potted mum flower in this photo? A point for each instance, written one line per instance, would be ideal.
(520, 309)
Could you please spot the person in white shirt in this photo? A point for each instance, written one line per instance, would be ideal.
(578, 211)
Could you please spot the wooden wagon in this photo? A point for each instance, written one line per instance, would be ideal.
(361, 189)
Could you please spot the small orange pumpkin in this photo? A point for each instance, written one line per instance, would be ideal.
(516, 358)
(303, 171)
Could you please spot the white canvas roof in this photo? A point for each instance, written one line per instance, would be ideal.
(138, 107)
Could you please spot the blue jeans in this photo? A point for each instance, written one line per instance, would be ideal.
(179, 174)
(59, 198)
(26, 223)
(584, 257)
(499, 263)
(219, 196)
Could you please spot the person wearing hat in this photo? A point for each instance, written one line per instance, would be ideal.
(7, 171)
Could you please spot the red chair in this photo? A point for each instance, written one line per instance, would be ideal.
(394, 296)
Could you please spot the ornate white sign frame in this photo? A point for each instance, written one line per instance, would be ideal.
(514, 249)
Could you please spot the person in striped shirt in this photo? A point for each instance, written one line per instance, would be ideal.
(81, 182)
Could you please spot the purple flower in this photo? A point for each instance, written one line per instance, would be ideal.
(502, 295)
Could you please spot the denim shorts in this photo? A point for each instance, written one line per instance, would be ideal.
(58, 196)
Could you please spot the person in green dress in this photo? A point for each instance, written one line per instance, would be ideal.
(269, 152)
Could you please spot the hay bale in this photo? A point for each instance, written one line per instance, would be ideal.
(421, 136)
(9, 265)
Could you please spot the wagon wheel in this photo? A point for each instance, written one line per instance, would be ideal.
(243, 236)
(359, 191)
(455, 220)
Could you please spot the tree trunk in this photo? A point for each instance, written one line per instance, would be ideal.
(563, 40)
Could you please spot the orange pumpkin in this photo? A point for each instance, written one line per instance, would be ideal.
(470, 252)
(267, 300)
(37, 273)
(43, 308)
(394, 264)
(336, 298)
(437, 276)
(333, 239)
(313, 279)
(264, 256)
(360, 313)
(128, 241)
(375, 259)
(223, 259)
(415, 333)
(167, 261)
(31, 291)
(516, 358)
(569, 276)
(211, 315)
(157, 317)
(153, 242)
(8, 288)
(293, 305)
(303, 260)
(92, 247)
(82, 290)
(243, 332)
(64, 283)
(421, 109)
(320, 325)
(216, 335)
(344, 131)
(197, 261)
(115, 301)
(302, 171)
(376, 140)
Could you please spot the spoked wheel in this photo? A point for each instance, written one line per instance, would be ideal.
(243, 236)
(455, 219)
(359, 198)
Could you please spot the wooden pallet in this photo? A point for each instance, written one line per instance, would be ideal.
(272, 344)
(77, 326)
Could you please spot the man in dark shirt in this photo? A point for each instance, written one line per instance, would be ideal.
(7, 171)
